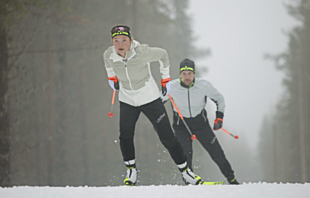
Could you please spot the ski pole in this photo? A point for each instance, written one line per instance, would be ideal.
(235, 136)
(110, 113)
(193, 136)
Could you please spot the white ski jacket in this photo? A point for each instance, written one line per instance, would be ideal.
(191, 101)
(137, 85)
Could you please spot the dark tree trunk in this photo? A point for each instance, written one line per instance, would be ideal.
(4, 117)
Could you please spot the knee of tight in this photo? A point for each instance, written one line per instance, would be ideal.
(124, 136)
(169, 144)
(219, 160)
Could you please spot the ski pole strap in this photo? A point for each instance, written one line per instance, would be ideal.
(163, 82)
(218, 119)
(114, 78)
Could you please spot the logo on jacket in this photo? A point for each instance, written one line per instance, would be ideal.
(160, 117)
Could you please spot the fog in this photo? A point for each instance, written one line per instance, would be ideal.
(55, 128)
(239, 34)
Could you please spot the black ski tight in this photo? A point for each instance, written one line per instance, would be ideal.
(208, 140)
(156, 113)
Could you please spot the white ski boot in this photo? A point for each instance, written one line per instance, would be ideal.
(191, 178)
(131, 177)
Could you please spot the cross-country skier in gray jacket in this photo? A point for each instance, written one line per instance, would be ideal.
(190, 96)
(128, 68)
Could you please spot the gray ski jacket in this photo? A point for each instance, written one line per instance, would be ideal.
(191, 101)
(137, 85)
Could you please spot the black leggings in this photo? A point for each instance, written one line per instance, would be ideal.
(208, 140)
(156, 113)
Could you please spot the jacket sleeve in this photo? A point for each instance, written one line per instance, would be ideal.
(161, 55)
(107, 65)
(215, 96)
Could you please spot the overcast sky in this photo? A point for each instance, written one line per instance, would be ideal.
(239, 33)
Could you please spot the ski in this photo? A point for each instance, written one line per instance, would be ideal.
(203, 183)
(213, 183)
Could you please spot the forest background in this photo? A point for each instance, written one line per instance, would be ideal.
(55, 99)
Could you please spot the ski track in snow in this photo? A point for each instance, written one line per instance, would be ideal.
(247, 190)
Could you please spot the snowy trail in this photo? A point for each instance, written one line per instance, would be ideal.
(250, 190)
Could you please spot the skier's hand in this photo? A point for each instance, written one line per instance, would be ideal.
(165, 86)
(218, 122)
(113, 82)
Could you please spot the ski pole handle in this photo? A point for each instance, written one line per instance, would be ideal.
(235, 136)
(193, 136)
(113, 97)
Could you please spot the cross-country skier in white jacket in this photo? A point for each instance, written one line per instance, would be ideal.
(190, 96)
(127, 63)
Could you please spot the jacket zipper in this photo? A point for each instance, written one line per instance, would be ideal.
(125, 62)
(189, 103)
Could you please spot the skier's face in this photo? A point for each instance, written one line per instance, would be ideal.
(187, 77)
(121, 44)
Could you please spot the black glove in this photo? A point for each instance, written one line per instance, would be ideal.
(218, 122)
(116, 85)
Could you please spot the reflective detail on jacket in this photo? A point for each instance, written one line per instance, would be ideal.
(137, 85)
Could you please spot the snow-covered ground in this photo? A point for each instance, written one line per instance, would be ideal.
(247, 190)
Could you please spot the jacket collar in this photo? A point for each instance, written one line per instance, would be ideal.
(129, 54)
(187, 86)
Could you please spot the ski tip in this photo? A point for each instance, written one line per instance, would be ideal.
(237, 137)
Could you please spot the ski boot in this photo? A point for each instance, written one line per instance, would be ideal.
(233, 181)
(131, 177)
(191, 178)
